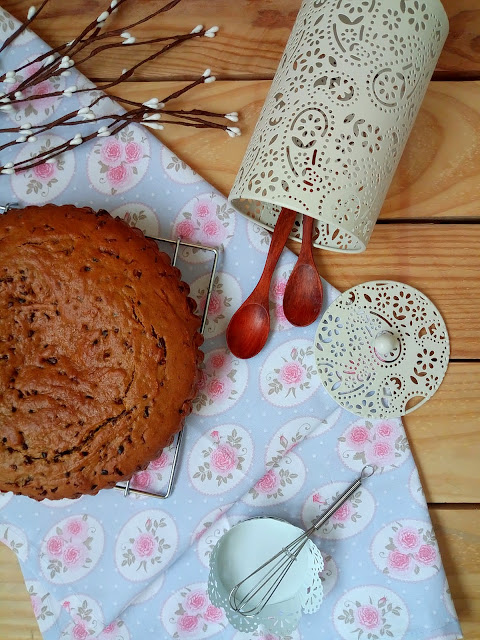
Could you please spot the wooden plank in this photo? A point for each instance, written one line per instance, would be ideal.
(458, 538)
(458, 535)
(438, 176)
(252, 37)
(441, 262)
(17, 621)
(445, 438)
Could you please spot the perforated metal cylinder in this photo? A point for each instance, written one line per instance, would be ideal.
(337, 117)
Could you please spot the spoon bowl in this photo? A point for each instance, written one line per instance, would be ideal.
(303, 297)
(249, 327)
(248, 330)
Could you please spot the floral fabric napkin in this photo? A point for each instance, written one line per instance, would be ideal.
(263, 438)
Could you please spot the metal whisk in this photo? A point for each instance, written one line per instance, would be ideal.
(284, 559)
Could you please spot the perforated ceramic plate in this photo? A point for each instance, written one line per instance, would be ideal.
(382, 349)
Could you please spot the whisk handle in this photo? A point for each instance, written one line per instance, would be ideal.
(343, 498)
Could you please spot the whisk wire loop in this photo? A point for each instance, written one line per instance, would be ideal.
(283, 560)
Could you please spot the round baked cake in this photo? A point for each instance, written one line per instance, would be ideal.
(99, 351)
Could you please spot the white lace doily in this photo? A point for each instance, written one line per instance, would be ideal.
(278, 617)
(382, 349)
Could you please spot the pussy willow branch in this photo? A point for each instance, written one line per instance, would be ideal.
(124, 76)
(92, 34)
(22, 28)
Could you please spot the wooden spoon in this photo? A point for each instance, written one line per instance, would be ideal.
(303, 296)
(248, 329)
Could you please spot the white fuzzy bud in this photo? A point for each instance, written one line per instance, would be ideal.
(125, 34)
(102, 129)
(131, 40)
(83, 110)
(210, 79)
(152, 116)
(101, 24)
(153, 125)
(66, 59)
(113, 4)
(233, 116)
(21, 139)
(89, 116)
(18, 95)
(103, 134)
(210, 33)
(197, 29)
(31, 12)
(10, 74)
(151, 103)
(8, 172)
(8, 165)
(233, 131)
(76, 140)
(10, 80)
(103, 16)
(124, 71)
(26, 125)
(5, 99)
(32, 139)
(6, 107)
(48, 60)
(206, 73)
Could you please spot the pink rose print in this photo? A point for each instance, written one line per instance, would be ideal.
(80, 631)
(187, 623)
(144, 545)
(385, 429)
(380, 452)
(76, 528)
(343, 513)
(36, 605)
(133, 152)
(215, 306)
(118, 176)
(278, 290)
(196, 602)
(55, 546)
(218, 388)
(358, 436)
(160, 463)
(215, 435)
(368, 617)
(44, 171)
(112, 152)
(408, 538)
(292, 373)
(427, 554)
(382, 602)
(74, 555)
(142, 480)
(110, 628)
(268, 483)
(185, 230)
(204, 208)
(280, 315)
(202, 380)
(213, 231)
(218, 360)
(66, 605)
(318, 498)
(224, 459)
(213, 614)
(398, 561)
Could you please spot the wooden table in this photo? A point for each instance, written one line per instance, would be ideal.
(428, 234)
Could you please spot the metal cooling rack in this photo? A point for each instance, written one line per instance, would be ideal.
(126, 488)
